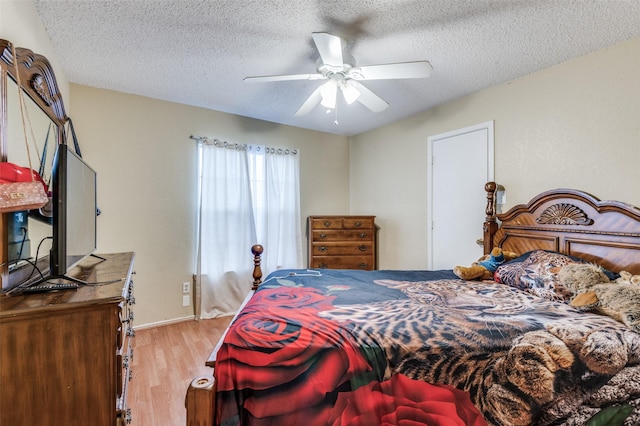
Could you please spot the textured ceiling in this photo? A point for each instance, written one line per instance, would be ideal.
(197, 52)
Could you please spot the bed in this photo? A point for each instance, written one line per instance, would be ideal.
(337, 347)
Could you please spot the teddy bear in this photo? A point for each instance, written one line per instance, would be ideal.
(620, 301)
(484, 268)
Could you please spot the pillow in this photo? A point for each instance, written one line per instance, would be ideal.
(536, 272)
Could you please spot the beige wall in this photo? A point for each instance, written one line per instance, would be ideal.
(575, 125)
(146, 166)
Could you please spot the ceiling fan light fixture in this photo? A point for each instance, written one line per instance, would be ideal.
(329, 93)
(339, 70)
(350, 93)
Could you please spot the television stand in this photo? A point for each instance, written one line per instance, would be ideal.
(65, 357)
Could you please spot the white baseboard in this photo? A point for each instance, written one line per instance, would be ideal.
(164, 322)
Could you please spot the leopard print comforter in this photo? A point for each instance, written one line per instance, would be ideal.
(310, 346)
(524, 360)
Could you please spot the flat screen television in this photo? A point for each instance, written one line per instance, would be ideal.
(73, 223)
(74, 212)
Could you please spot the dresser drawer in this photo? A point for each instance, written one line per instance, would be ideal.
(348, 235)
(335, 249)
(326, 223)
(357, 223)
(350, 222)
(343, 262)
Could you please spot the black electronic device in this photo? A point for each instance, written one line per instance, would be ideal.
(74, 212)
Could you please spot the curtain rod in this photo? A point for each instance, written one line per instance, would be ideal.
(217, 142)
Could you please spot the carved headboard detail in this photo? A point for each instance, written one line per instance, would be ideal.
(564, 214)
(570, 222)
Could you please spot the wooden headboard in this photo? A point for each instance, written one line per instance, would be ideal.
(570, 222)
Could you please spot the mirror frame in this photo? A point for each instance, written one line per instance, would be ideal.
(39, 83)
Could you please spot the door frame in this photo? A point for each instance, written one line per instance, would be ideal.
(489, 127)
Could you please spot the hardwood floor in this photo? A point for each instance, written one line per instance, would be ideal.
(166, 359)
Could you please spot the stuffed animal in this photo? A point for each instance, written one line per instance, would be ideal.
(628, 278)
(580, 277)
(619, 301)
(485, 266)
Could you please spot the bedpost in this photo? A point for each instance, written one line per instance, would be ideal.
(199, 401)
(490, 225)
(257, 271)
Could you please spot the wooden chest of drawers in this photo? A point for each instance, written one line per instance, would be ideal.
(342, 242)
(65, 356)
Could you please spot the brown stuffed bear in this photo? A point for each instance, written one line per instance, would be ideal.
(485, 266)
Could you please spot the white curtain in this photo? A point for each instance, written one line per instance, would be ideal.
(248, 195)
(226, 231)
(276, 200)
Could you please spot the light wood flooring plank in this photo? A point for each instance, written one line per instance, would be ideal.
(165, 360)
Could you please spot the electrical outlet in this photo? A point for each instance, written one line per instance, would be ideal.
(501, 197)
(186, 300)
(186, 288)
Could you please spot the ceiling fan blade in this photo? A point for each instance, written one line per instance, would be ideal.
(329, 47)
(418, 69)
(265, 78)
(313, 100)
(369, 99)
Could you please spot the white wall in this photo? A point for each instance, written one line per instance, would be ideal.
(575, 125)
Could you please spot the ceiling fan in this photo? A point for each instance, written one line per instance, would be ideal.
(346, 77)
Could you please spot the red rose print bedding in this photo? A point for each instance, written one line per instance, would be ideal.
(414, 347)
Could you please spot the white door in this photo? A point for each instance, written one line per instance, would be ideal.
(460, 163)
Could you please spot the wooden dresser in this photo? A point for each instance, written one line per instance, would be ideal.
(342, 242)
(65, 355)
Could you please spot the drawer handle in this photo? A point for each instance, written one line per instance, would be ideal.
(323, 236)
(322, 249)
(322, 265)
(327, 224)
(363, 235)
(363, 266)
(363, 248)
(358, 224)
(129, 319)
